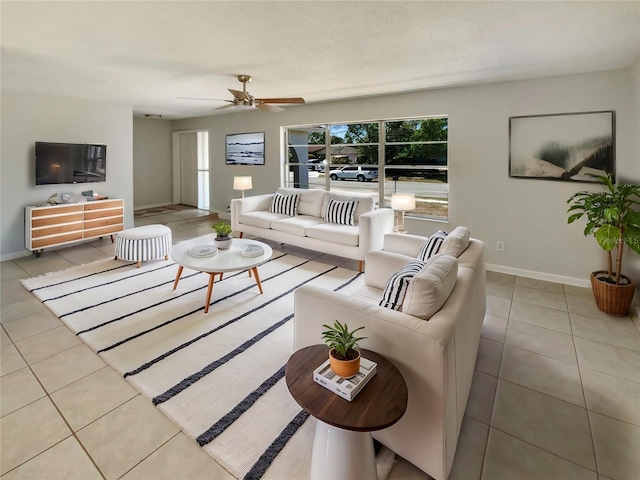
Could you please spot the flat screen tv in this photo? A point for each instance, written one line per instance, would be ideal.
(245, 149)
(70, 163)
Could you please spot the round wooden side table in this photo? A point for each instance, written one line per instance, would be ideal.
(342, 446)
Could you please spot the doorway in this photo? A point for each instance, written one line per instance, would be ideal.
(191, 168)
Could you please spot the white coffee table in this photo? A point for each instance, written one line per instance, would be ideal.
(223, 261)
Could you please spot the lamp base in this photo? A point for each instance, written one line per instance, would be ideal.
(398, 224)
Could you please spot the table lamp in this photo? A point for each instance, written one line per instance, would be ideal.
(400, 203)
(242, 183)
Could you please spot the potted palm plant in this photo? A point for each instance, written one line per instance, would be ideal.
(223, 235)
(344, 355)
(614, 220)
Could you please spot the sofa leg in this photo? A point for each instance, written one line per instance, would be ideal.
(360, 265)
(240, 236)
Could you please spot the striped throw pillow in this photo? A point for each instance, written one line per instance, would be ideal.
(341, 212)
(397, 285)
(432, 245)
(285, 204)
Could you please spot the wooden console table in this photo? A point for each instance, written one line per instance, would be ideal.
(62, 224)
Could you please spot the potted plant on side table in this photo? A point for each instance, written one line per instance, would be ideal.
(614, 220)
(344, 355)
(223, 235)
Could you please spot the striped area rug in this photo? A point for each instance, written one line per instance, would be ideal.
(218, 376)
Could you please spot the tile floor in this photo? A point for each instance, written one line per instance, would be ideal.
(555, 395)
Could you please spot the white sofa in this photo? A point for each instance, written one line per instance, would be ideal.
(250, 215)
(436, 357)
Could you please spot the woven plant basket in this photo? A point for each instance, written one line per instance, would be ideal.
(612, 299)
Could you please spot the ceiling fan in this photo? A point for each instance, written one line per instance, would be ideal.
(244, 100)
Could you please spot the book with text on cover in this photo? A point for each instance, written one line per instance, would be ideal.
(347, 388)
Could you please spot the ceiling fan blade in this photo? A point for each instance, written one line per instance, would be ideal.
(201, 98)
(271, 108)
(225, 106)
(239, 94)
(281, 100)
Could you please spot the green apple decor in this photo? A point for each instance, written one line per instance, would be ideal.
(614, 220)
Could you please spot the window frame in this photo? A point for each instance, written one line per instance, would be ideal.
(381, 165)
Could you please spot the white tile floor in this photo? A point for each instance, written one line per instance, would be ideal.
(555, 394)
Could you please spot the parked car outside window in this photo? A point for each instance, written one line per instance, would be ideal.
(355, 172)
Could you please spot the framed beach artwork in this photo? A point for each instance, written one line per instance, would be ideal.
(244, 149)
(567, 147)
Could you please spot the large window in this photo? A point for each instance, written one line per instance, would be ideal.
(381, 157)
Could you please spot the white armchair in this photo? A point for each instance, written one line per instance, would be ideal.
(436, 357)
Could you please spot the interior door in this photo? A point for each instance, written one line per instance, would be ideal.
(189, 169)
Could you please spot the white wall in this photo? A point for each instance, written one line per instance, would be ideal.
(30, 118)
(529, 216)
(152, 167)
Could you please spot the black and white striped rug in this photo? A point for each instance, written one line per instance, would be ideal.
(219, 376)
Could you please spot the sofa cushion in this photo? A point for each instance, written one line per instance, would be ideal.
(261, 219)
(431, 287)
(341, 212)
(431, 246)
(334, 233)
(456, 242)
(310, 200)
(296, 225)
(285, 204)
(397, 285)
(366, 203)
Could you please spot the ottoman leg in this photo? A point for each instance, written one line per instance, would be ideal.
(139, 263)
(166, 257)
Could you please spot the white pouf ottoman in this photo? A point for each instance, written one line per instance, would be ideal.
(144, 243)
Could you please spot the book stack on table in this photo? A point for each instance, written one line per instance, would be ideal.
(347, 388)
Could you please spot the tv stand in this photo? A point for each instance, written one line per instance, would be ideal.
(62, 224)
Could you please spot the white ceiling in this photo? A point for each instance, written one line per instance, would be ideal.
(148, 53)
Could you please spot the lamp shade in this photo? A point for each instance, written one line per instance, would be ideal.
(403, 201)
(242, 183)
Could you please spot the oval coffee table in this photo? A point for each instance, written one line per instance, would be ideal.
(342, 446)
(229, 260)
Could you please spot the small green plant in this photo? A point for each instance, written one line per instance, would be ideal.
(344, 343)
(222, 230)
(612, 218)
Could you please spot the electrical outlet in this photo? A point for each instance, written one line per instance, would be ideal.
(500, 246)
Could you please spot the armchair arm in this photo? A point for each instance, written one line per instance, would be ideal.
(373, 225)
(381, 265)
(404, 243)
(240, 206)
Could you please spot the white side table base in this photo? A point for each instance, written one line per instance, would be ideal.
(340, 454)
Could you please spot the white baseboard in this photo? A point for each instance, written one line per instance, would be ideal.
(14, 255)
(549, 277)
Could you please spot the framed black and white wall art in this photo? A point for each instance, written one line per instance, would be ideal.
(568, 147)
(244, 149)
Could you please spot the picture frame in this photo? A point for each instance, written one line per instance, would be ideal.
(563, 146)
(244, 149)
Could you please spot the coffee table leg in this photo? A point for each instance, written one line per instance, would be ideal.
(175, 284)
(342, 454)
(209, 290)
(257, 277)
